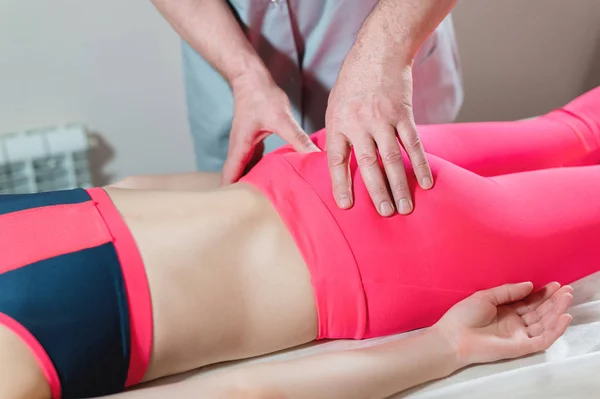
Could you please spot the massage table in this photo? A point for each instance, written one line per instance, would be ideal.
(568, 369)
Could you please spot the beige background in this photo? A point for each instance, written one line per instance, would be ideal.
(114, 65)
(523, 57)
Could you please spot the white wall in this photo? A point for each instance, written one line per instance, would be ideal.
(114, 65)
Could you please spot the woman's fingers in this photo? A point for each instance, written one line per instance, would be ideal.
(547, 321)
(545, 305)
(534, 300)
(548, 337)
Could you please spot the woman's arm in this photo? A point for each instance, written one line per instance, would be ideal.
(501, 323)
(375, 372)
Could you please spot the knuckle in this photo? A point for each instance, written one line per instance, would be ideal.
(400, 190)
(406, 108)
(391, 157)
(378, 190)
(336, 159)
(414, 142)
(421, 165)
(481, 295)
(340, 185)
(366, 160)
(302, 138)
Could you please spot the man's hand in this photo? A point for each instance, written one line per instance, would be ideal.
(506, 322)
(369, 108)
(260, 108)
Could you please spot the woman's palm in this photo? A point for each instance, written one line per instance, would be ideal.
(507, 322)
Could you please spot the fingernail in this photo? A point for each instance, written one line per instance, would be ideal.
(386, 209)
(404, 206)
(426, 183)
(344, 202)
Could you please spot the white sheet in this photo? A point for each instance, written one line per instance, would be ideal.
(569, 369)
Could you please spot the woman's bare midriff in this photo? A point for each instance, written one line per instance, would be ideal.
(226, 279)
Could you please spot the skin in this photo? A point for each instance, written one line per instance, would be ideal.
(370, 105)
(261, 108)
(495, 324)
(369, 108)
(254, 300)
(212, 304)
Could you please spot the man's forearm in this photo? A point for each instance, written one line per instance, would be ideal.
(211, 29)
(396, 29)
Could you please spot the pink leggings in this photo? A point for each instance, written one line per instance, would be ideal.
(512, 201)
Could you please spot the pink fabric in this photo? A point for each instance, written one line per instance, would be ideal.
(32, 235)
(136, 283)
(38, 352)
(513, 201)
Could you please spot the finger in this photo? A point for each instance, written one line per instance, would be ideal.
(546, 306)
(391, 157)
(291, 132)
(365, 151)
(561, 304)
(238, 155)
(338, 157)
(536, 299)
(544, 341)
(507, 293)
(409, 136)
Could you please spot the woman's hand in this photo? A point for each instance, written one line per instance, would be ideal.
(260, 108)
(506, 322)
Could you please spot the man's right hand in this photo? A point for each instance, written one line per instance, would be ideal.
(260, 108)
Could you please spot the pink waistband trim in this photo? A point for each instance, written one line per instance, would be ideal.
(136, 284)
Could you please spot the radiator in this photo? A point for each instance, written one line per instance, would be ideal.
(47, 159)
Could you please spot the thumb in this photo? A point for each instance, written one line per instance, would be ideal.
(238, 155)
(507, 293)
(291, 132)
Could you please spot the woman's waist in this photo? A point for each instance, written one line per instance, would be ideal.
(222, 272)
(315, 230)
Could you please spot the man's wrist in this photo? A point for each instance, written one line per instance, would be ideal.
(248, 70)
(255, 77)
